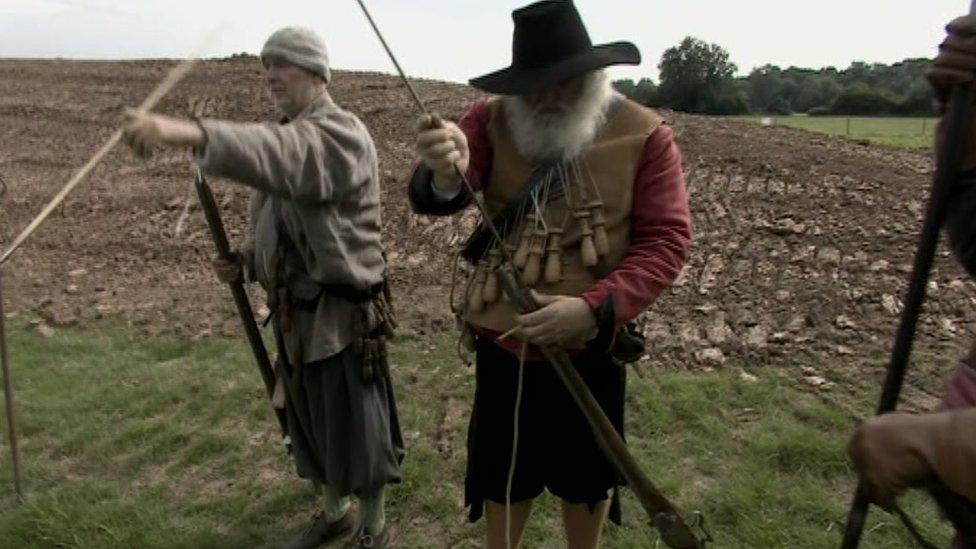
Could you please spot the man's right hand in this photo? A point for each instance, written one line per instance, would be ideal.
(956, 62)
(956, 65)
(895, 452)
(229, 270)
(442, 145)
(144, 131)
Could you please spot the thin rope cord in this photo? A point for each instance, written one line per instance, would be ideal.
(567, 195)
(589, 175)
(540, 215)
(515, 438)
(185, 212)
(574, 171)
(570, 200)
(456, 310)
(544, 203)
(578, 174)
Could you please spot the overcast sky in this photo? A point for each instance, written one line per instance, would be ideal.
(457, 39)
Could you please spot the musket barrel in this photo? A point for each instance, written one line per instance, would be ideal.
(957, 119)
(241, 301)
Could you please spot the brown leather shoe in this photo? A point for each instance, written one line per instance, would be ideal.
(322, 532)
(383, 540)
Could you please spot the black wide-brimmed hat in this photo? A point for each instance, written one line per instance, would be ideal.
(550, 44)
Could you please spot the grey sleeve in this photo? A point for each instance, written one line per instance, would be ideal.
(304, 161)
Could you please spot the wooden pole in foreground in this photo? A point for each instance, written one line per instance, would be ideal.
(8, 398)
(957, 121)
(169, 82)
(8, 389)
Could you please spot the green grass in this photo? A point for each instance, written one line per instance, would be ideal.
(909, 133)
(165, 443)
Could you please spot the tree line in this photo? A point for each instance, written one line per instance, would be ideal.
(699, 77)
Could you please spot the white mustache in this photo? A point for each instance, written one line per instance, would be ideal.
(558, 128)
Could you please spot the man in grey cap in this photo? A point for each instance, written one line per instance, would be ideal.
(314, 245)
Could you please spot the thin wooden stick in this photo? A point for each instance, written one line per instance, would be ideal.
(168, 83)
(8, 397)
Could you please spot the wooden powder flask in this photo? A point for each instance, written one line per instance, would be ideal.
(525, 242)
(587, 248)
(476, 301)
(533, 266)
(554, 261)
(600, 241)
(490, 292)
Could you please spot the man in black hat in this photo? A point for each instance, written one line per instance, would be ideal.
(588, 192)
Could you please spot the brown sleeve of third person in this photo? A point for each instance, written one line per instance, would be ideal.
(955, 452)
(898, 451)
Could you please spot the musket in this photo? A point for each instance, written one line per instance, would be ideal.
(956, 120)
(241, 301)
(664, 516)
(8, 389)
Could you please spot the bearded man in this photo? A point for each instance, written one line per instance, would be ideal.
(588, 190)
(936, 452)
(315, 247)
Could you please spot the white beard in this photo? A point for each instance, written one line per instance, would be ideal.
(562, 135)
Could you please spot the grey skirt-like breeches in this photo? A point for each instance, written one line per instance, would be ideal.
(344, 430)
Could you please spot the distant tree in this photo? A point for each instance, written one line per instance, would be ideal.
(699, 77)
(815, 91)
(899, 89)
(625, 86)
(861, 99)
(694, 76)
(766, 90)
(730, 101)
(643, 92)
(858, 72)
(919, 100)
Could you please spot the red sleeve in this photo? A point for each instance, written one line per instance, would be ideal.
(474, 124)
(660, 232)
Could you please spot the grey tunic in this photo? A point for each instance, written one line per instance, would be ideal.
(316, 188)
(316, 178)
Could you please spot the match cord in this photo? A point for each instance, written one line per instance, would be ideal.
(515, 438)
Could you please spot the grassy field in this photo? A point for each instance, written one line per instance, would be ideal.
(167, 443)
(912, 133)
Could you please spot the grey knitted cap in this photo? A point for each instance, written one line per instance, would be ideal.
(299, 46)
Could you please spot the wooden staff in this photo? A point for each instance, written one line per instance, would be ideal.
(8, 395)
(164, 87)
(212, 214)
(957, 119)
